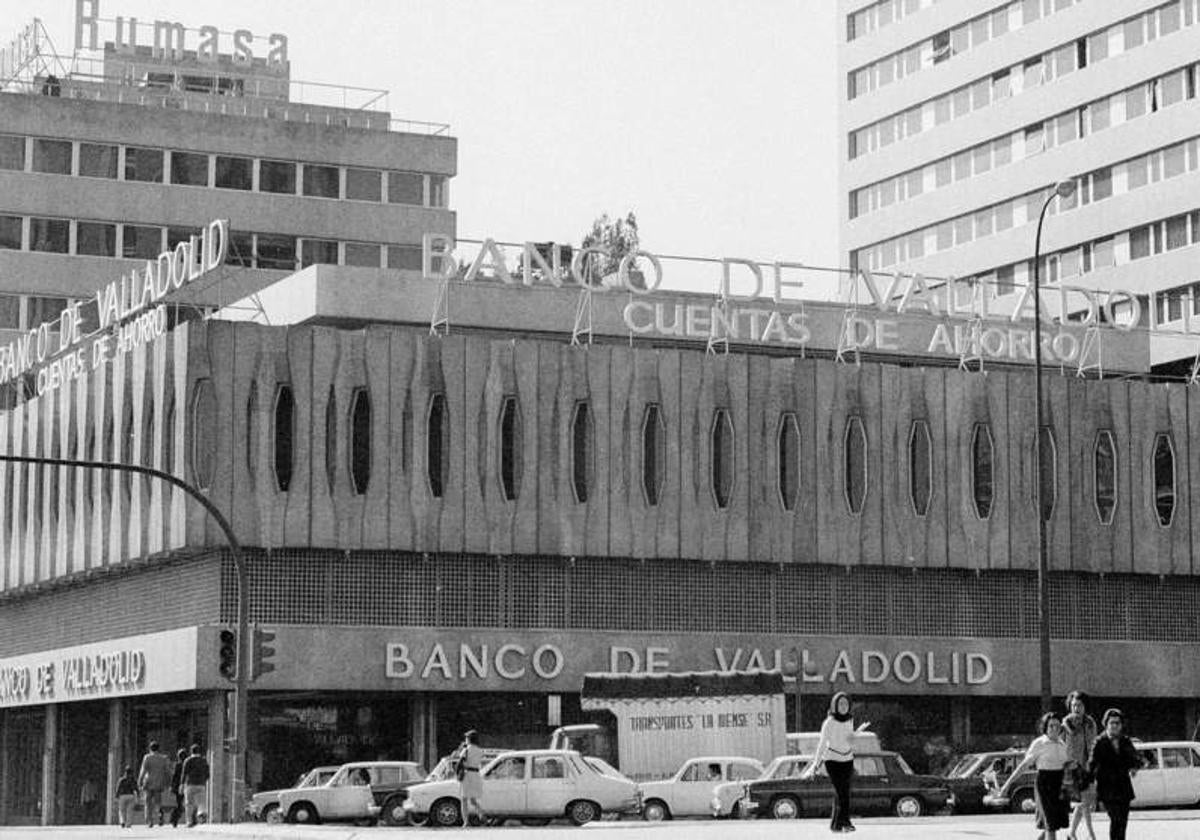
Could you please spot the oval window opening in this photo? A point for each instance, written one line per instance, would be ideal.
(788, 449)
(284, 434)
(360, 440)
(982, 455)
(1047, 472)
(510, 449)
(1104, 464)
(653, 443)
(854, 445)
(721, 440)
(437, 440)
(920, 467)
(331, 442)
(581, 452)
(204, 433)
(1164, 479)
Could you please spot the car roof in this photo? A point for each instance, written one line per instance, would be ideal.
(724, 758)
(356, 764)
(1141, 744)
(537, 752)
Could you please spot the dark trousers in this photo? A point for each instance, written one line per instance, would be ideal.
(839, 774)
(1118, 817)
(177, 811)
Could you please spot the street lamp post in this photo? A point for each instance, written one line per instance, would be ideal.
(1063, 189)
(241, 680)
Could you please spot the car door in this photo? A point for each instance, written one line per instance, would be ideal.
(1181, 785)
(550, 786)
(691, 794)
(349, 797)
(870, 789)
(1148, 785)
(504, 786)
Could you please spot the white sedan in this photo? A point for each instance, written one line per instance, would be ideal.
(534, 786)
(264, 805)
(689, 792)
(726, 797)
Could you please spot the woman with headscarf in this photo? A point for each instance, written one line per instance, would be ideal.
(1114, 761)
(836, 748)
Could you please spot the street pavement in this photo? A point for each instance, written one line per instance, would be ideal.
(1144, 825)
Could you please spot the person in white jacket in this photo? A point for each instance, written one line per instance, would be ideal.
(836, 749)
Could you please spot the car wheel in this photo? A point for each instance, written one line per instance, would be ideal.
(535, 821)
(304, 813)
(446, 813)
(1023, 802)
(785, 808)
(393, 812)
(909, 806)
(656, 811)
(582, 811)
(271, 813)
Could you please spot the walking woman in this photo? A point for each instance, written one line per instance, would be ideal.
(470, 757)
(1079, 734)
(1048, 754)
(1114, 761)
(835, 747)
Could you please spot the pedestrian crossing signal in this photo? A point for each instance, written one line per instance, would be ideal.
(227, 654)
(264, 652)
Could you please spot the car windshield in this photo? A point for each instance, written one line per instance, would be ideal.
(963, 766)
(903, 764)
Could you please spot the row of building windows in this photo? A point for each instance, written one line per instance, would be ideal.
(1020, 78)
(952, 42)
(881, 14)
(1138, 101)
(217, 171)
(653, 449)
(145, 242)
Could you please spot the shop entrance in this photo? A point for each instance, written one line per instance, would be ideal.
(24, 738)
(83, 763)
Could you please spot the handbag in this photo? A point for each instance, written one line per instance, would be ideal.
(460, 767)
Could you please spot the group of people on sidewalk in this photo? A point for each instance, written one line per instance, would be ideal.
(1078, 763)
(187, 778)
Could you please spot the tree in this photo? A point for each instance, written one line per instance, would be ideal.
(618, 238)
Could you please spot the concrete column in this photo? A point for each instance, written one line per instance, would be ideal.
(218, 759)
(50, 766)
(1191, 718)
(422, 729)
(960, 721)
(5, 764)
(116, 746)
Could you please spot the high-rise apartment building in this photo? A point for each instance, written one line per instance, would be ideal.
(958, 118)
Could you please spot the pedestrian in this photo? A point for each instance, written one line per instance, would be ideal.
(127, 788)
(1079, 734)
(470, 757)
(177, 786)
(1048, 753)
(153, 778)
(194, 777)
(89, 801)
(836, 748)
(1114, 761)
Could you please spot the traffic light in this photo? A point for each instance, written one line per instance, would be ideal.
(227, 654)
(263, 652)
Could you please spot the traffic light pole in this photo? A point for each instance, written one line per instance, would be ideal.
(240, 694)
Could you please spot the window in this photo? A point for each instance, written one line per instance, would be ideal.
(1177, 232)
(331, 439)
(140, 242)
(360, 440)
(10, 232)
(1104, 466)
(581, 451)
(276, 251)
(189, 169)
(363, 253)
(547, 767)
(1047, 487)
(437, 440)
(321, 181)
(241, 248)
(51, 235)
(12, 152)
(511, 449)
(97, 239)
(854, 445)
(143, 165)
(407, 257)
(920, 467)
(654, 435)
(364, 184)
(318, 251)
(437, 190)
(787, 446)
(406, 188)
(509, 768)
(277, 176)
(1164, 479)
(97, 161)
(204, 433)
(284, 434)
(1139, 243)
(52, 156)
(982, 458)
(234, 173)
(721, 450)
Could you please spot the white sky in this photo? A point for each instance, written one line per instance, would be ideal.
(713, 121)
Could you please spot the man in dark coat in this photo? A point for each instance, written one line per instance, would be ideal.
(1114, 761)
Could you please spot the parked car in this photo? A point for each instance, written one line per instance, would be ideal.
(726, 797)
(1170, 775)
(883, 783)
(966, 777)
(264, 805)
(689, 792)
(534, 786)
(360, 791)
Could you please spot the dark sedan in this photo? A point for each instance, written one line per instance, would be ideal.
(975, 775)
(883, 784)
